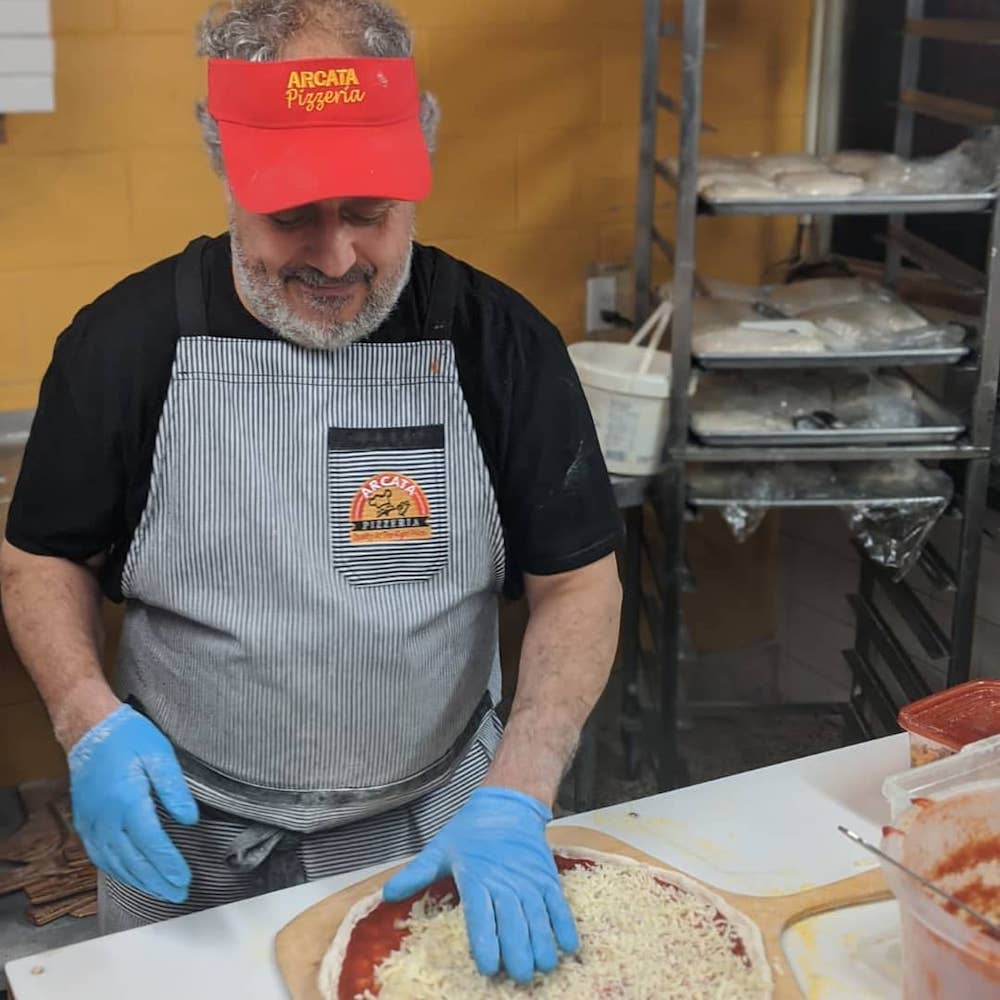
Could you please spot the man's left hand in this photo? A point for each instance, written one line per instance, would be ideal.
(495, 848)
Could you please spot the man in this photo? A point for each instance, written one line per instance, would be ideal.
(308, 455)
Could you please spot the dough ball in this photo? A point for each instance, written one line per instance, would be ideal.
(786, 163)
(820, 185)
(859, 161)
(738, 340)
(748, 188)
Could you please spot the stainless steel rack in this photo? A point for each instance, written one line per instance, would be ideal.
(884, 674)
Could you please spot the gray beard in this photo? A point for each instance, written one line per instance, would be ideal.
(264, 295)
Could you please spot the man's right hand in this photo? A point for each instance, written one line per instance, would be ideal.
(114, 768)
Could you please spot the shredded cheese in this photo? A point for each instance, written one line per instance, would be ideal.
(639, 940)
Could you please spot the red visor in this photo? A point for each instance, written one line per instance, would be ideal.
(300, 131)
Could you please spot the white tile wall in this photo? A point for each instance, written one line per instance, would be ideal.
(23, 93)
(25, 17)
(27, 57)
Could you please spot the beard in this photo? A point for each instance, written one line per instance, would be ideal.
(266, 296)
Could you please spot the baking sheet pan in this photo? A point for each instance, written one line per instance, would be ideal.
(941, 427)
(830, 359)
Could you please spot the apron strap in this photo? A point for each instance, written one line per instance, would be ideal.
(269, 854)
(441, 304)
(192, 317)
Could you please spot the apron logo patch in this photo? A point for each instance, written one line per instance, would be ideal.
(389, 507)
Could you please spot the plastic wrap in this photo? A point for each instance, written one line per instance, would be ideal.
(893, 534)
(771, 166)
(860, 161)
(823, 293)
(739, 339)
(880, 401)
(880, 325)
(819, 184)
(718, 314)
(890, 507)
(732, 402)
(752, 491)
(969, 167)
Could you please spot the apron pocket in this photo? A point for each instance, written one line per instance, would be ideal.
(388, 515)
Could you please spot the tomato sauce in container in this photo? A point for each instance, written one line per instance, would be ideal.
(954, 841)
(943, 723)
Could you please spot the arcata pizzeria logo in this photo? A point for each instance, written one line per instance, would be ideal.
(389, 507)
(315, 89)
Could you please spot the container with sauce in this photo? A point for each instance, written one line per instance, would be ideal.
(952, 839)
(944, 723)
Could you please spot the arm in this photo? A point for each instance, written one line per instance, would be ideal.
(495, 845)
(52, 612)
(568, 650)
(116, 756)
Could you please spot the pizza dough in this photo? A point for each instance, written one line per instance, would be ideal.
(782, 163)
(746, 188)
(708, 179)
(739, 340)
(738, 421)
(860, 161)
(819, 184)
(645, 933)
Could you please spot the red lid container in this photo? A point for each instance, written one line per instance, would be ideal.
(953, 718)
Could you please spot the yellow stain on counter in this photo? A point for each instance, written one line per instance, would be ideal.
(813, 983)
(725, 858)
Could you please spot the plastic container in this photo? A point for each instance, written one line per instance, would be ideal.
(943, 723)
(628, 389)
(952, 839)
(978, 762)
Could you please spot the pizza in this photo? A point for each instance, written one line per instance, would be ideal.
(645, 934)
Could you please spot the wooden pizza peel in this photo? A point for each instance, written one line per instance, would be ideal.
(301, 944)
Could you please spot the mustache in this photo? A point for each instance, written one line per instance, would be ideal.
(314, 278)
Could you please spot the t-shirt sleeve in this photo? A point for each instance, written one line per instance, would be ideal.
(69, 498)
(556, 501)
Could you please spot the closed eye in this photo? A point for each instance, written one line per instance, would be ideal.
(366, 213)
(287, 220)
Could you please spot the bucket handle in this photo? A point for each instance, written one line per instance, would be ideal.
(656, 324)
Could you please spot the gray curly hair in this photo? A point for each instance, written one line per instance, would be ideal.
(258, 30)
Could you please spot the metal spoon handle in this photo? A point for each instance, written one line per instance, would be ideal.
(975, 914)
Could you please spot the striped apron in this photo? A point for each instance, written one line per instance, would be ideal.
(311, 593)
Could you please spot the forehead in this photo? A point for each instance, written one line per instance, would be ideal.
(315, 43)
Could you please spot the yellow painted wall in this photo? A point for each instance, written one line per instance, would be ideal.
(535, 174)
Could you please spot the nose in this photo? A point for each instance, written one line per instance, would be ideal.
(332, 248)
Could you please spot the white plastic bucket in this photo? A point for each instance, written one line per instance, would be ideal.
(951, 840)
(628, 389)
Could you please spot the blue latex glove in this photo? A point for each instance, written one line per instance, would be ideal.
(111, 768)
(495, 848)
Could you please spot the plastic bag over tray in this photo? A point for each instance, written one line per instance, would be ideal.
(735, 403)
(971, 167)
(823, 316)
(890, 507)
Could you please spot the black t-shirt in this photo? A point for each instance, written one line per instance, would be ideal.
(85, 476)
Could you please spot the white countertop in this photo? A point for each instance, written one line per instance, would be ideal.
(766, 832)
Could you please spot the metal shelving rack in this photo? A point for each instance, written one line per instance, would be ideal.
(873, 698)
